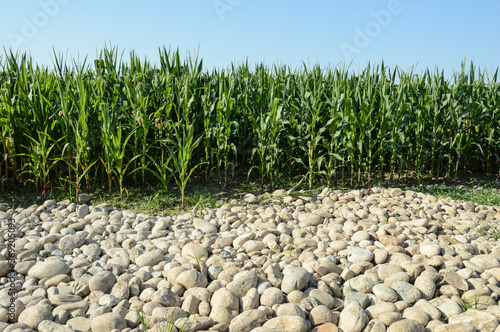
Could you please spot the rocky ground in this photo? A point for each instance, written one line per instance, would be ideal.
(364, 260)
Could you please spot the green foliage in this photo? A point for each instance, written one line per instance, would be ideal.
(272, 123)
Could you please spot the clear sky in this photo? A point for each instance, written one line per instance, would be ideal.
(425, 34)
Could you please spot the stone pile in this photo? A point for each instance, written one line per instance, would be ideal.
(365, 260)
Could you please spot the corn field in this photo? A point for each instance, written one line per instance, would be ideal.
(121, 122)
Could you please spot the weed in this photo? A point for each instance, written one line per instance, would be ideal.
(471, 303)
(169, 327)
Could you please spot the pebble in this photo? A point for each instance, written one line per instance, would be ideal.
(376, 259)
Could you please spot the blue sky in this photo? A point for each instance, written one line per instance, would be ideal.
(424, 34)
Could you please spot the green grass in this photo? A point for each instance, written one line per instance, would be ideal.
(471, 303)
(490, 230)
(156, 201)
(484, 191)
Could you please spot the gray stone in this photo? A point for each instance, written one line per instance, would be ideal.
(353, 318)
(102, 281)
(448, 307)
(271, 296)
(242, 283)
(287, 323)
(48, 269)
(83, 198)
(407, 325)
(50, 326)
(150, 258)
(362, 299)
(321, 315)
(166, 297)
(485, 261)
(295, 278)
(83, 210)
(225, 306)
(456, 280)
(70, 242)
(248, 320)
(483, 321)
(385, 293)
(407, 291)
(34, 315)
(312, 219)
(360, 255)
(108, 322)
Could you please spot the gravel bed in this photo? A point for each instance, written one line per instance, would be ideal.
(364, 260)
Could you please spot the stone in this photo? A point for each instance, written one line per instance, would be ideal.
(166, 297)
(287, 323)
(360, 255)
(385, 293)
(193, 323)
(150, 258)
(407, 291)
(204, 226)
(50, 326)
(430, 250)
(448, 307)
(455, 328)
(407, 325)
(102, 281)
(192, 278)
(248, 320)
(485, 261)
(242, 283)
(430, 309)
(295, 278)
(271, 296)
(290, 309)
(193, 251)
(83, 210)
(225, 306)
(108, 322)
(389, 240)
(483, 321)
(48, 269)
(83, 198)
(34, 315)
(69, 242)
(328, 327)
(416, 314)
(362, 299)
(312, 219)
(426, 285)
(321, 315)
(389, 318)
(456, 280)
(353, 318)
(322, 297)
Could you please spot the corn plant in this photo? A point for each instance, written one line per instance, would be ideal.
(114, 148)
(182, 158)
(41, 160)
(225, 127)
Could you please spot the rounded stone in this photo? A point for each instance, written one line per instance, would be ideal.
(407, 325)
(34, 315)
(353, 318)
(48, 269)
(295, 278)
(191, 278)
(360, 255)
(287, 323)
(108, 322)
(312, 219)
(102, 281)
